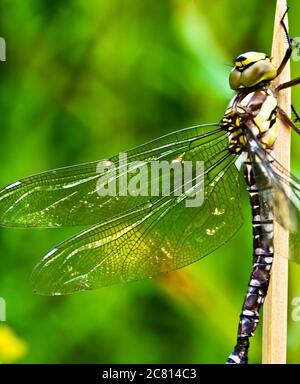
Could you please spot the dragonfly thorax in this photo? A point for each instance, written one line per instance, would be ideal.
(251, 69)
(251, 114)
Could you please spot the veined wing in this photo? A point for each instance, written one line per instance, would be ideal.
(157, 236)
(280, 193)
(68, 196)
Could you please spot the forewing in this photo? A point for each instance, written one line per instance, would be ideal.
(68, 196)
(160, 235)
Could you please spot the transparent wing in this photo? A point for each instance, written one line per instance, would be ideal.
(279, 192)
(159, 235)
(68, 196)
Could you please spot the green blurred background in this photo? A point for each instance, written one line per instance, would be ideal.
(84, 80)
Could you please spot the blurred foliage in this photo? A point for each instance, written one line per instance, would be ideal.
(84, 80)
(11, 347)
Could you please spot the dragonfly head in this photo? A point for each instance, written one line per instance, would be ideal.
(250, 69)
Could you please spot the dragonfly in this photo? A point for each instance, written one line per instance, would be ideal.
(139, 236)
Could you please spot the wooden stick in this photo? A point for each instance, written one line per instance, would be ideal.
(275, 309)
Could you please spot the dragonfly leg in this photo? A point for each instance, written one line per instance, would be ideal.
(296, 115)
(289, 50)
(288, 84)
(288, 122)
(262, 225)
(286, 57)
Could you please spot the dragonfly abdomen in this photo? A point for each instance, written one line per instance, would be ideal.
(262, 227)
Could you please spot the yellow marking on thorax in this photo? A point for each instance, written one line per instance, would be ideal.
(262, 119)
(270, 136)
(262, 128)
